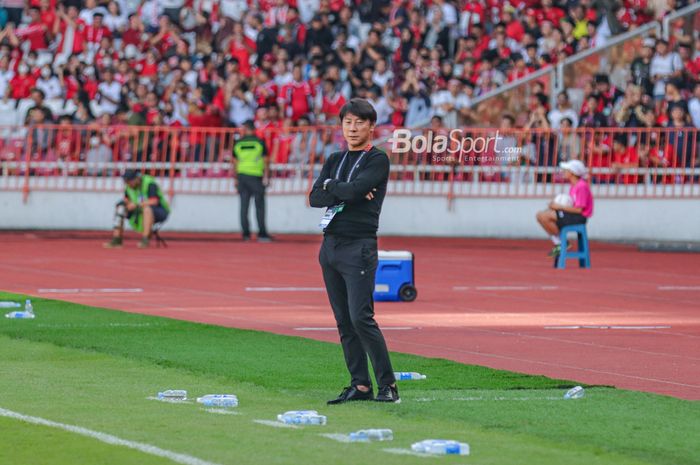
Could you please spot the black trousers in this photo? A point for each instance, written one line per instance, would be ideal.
(252, 186)
(349, 266)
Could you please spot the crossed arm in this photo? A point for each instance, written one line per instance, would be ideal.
(335, 191)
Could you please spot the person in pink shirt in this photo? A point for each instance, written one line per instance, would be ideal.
(557, 216)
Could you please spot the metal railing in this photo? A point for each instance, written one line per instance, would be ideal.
(472, 162)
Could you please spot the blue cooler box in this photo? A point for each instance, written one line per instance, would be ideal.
(395, 278)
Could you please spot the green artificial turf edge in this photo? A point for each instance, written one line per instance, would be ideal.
(643, 426)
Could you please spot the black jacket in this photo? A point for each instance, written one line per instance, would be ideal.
(360, 217)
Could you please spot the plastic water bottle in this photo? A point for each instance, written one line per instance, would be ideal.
(8, 304)
(173, 394)
(367, 435)
(575, 393)
(441, 447)
(302, 417)
(27, 313)
(19, 315)
(218, 400)
(408, 375)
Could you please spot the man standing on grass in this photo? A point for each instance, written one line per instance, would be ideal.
(351, 187)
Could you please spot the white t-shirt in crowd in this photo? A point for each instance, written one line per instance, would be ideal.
(116, 23)
(234, 9)
(556, 115)
(51, 87)
(307, 9)
(5, 78)
(449, 14)
(694, 109)
(382, 79)
(383, 109)
(86, 15)
(240, 111)
(150, 11)
(111, 91)
(459, 101)
(171, 3)
(664, 66)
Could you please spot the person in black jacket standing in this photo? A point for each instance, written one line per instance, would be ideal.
(351, 187)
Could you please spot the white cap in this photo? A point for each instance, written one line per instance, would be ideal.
(575, 166)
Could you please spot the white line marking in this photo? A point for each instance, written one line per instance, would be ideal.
(109, 439)
(410, 452)
(275, 424)
(608, 327)
(170, 401)
(285, 289)
(108, 325)
(505, 288)
(679, 288)
(472, 399)
(104, 290)
(329, 328)
(221, 411)
(336, 437)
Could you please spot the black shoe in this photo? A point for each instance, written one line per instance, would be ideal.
(246, 237)
(265, 238)
(351, 393)
(115, 243)
(388, 393)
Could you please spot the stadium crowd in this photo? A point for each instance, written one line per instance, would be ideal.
(295, 62)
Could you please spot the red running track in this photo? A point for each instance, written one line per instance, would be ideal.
(631, 321)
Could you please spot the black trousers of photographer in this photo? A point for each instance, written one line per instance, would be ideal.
(349, 267)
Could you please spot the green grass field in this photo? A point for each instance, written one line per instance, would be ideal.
(95, 368)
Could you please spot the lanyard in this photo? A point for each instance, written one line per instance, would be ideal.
(352, 170)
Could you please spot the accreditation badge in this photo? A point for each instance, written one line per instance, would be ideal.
(330, 213)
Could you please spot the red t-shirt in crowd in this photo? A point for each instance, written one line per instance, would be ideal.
(165, 43)
(22, 86)
(602, 159)
(284, 145)
(147, 69)
(151, 115)
(67, 145)
(515, 30)
(331, 105)
(515, 74)
(72, 86)
(241, 53)
(131, 37)
(95, 34)
(627, 156)
(267, 131)
(266, 94)
(78, 37)
(295, 96)
(35, 33)
(554, 14)
(91, 87)
(48, 17)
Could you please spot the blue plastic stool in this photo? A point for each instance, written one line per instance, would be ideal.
(583, 253)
